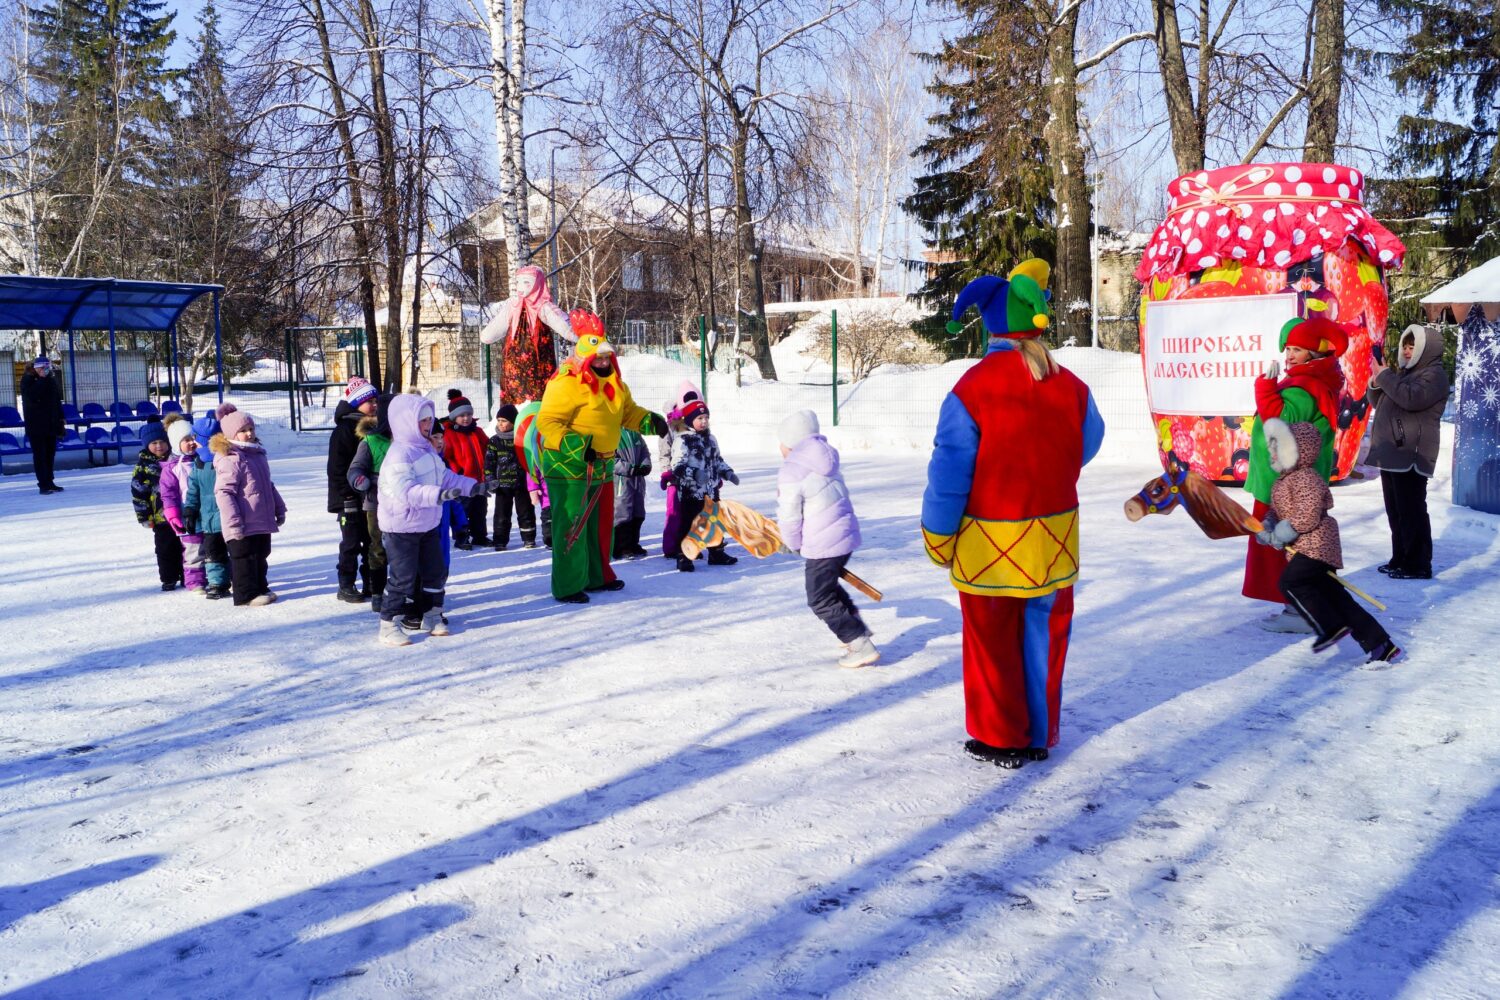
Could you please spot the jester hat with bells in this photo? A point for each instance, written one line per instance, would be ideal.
(1016, 307)
(593, 345)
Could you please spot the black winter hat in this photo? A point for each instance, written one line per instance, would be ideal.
(506, 412)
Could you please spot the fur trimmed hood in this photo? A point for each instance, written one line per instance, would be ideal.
(221, 445)
(1427, 346)
(1292, 446)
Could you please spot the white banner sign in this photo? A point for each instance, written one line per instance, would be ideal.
(1202, 355)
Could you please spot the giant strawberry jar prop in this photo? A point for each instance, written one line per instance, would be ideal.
(1295, 230)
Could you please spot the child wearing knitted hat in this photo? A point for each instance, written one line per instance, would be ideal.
(200, 511)
(698, 472)
(250, 507)
(176, 471)
(464, 452)
(816, 518)
(503, 466)
(145, 497)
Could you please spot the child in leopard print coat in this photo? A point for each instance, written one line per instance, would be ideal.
(1300, 502)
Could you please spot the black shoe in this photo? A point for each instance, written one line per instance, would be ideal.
(1006, 757)
(1410, 574)
(465, 545)
(718, 557)
(500, 546)
(214, 593)
(480, 543)
(169, 586)
(1036, 753)
(528, 545)
(351, 596)
(612, 585)
(1329, 641)
(578, 598)
(375, 600)
(636, 552)
(1386, 568)
(685, 565)
(1386, 652)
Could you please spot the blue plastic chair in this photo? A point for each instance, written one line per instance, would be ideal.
(10, 417)
(145, 408)
(94, 413)
(98, 439)
(170, 406)
(125, 435)
(70, 414)
(120, 411)
(10, 446)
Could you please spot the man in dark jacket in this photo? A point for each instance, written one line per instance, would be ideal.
(41, 404)
(344, 500)
(1405, 433)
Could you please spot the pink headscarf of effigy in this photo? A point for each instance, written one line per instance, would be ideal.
(528, 308)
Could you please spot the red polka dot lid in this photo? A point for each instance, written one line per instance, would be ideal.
(1264, 215)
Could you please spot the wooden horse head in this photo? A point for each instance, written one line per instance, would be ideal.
(1205, 503)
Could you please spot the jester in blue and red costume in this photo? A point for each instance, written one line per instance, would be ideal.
(1001, 512)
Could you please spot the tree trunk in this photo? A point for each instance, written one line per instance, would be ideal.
(357, 215)
(507, 25)
(1182, 118)
(749, 252)
(1325, 82)
(1071, 279)
(388, 190)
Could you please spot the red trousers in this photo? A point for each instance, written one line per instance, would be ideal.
(1014, 651)
(1263, 566)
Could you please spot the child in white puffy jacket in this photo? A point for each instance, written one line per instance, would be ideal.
(817, 521)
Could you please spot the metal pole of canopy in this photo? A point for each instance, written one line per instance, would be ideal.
(114, 372)
(72, 369)
(218, 349)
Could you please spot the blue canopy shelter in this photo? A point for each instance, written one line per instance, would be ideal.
(112, 304)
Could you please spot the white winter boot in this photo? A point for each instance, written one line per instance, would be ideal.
(1286, 620)
(860, 653)
(433, 623)
(391, 633)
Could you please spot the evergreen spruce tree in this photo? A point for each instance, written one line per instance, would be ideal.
(1444, 199)
(104, 95)
(986, 201)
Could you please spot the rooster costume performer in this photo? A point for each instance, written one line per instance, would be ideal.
(583, 409)
(1001, 511)
(527, 320)
(1307, 393)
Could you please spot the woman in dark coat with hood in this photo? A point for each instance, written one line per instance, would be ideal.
(41, 405)
(1405, 433)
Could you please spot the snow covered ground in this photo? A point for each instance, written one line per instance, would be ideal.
(673, 792)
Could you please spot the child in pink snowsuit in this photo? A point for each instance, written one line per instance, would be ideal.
(176, 471)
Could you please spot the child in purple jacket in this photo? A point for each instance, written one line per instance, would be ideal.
(176, 472)
(250, 508)
(817, 522)
(414, 484)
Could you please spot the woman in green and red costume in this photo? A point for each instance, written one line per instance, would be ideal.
(1308, 392)
(1001, 512)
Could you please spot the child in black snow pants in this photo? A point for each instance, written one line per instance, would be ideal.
(698, 471)
(145, 497)
(1300, 501)
(503, 467)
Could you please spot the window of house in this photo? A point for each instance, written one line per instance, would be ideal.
(435, 357)
(635, 332)
(633, 272)
(784, 290)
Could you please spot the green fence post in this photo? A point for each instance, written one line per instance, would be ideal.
(291, 381)
(489, 386)
(703, 357)
(834, 324)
